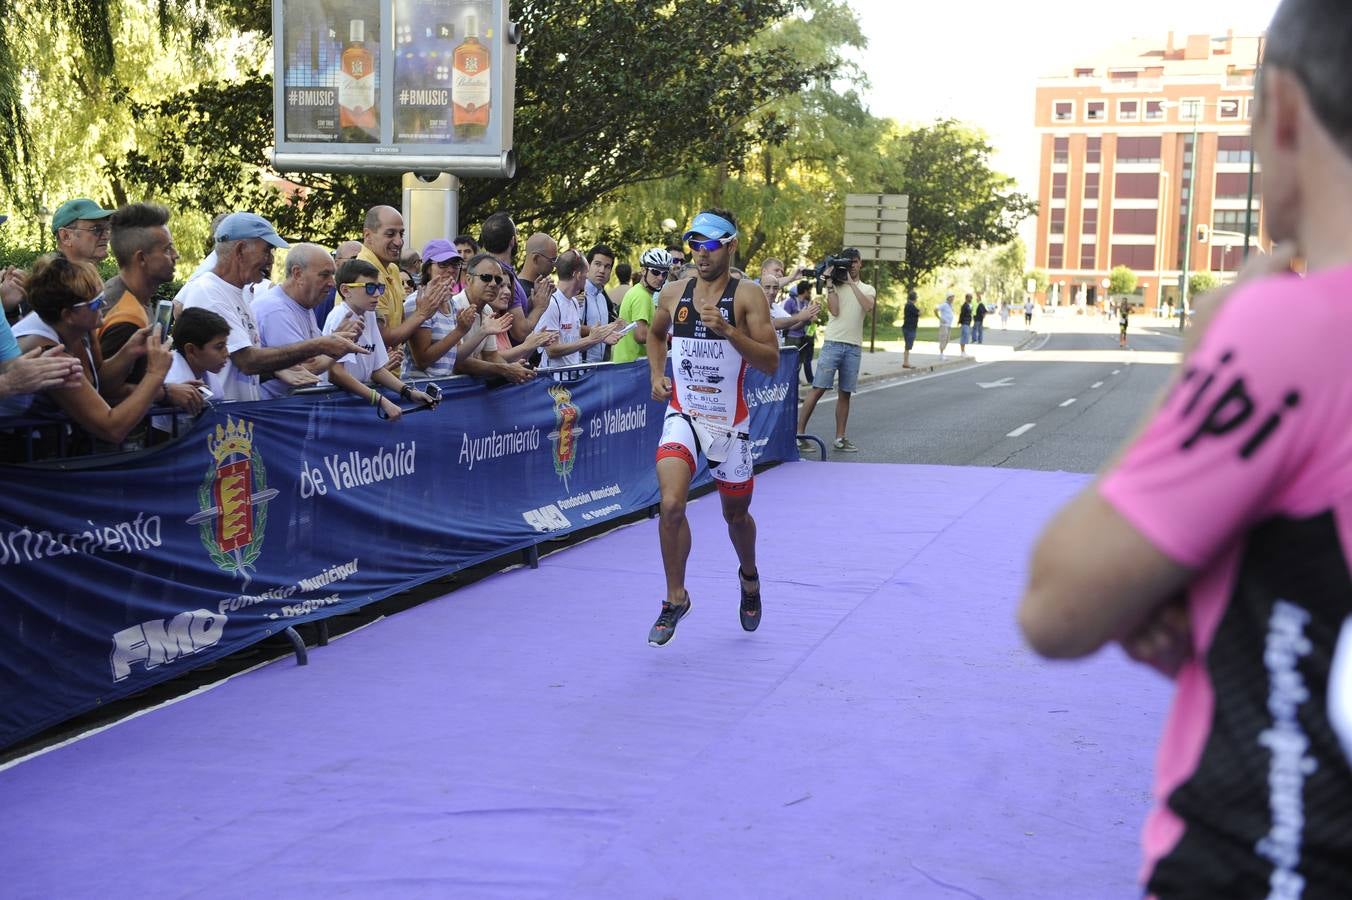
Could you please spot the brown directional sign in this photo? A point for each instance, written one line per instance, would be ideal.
(877, 224)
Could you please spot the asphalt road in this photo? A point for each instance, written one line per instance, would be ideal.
(1067, 403)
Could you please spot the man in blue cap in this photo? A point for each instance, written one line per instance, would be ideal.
(82, 230)
(244, 246)
(718, 324)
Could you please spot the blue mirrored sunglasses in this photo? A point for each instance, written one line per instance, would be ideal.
(709, 245)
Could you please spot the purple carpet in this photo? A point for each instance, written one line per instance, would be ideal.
(884, 733)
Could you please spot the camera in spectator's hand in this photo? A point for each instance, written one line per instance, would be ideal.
(837, 268)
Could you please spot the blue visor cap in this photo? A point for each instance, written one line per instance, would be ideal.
(711, 226)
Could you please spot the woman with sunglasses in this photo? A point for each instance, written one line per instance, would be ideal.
(360, 290)
(67, 308)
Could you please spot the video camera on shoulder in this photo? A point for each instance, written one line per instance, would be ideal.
(837, 268)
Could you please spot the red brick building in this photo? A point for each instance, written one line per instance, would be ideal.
(1116, 165)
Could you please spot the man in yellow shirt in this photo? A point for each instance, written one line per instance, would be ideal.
(382, 239)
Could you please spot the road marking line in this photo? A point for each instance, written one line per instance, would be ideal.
(1097, 384)
(1068, 402)
(1021, 429)
(1116, 371)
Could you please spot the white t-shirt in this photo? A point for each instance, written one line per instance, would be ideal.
(945, 313)
(210, 292)
(478, 342)
(281, 321)
(360, 366)
(564, 316)
(440, 324)
(595, 313)
(180, 373)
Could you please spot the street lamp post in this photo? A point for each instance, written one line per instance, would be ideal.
(1199, 105)
(1187, 227)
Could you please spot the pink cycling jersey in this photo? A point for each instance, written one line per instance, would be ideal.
(1245, 476)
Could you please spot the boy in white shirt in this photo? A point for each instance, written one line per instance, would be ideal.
(200, 353)
(360, 290)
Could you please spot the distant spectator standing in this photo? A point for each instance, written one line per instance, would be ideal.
(1027, 312)
(82, 230)
(1123, 313)
(910, 324)
(1004, 315)
(596, 309)
(842, 349)
(803, 335)
(946, 315)
(466, 246)
(979, 321)
(624, 278)
(965, 325)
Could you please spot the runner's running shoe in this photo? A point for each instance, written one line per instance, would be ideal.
(664, 629)
(751, 603)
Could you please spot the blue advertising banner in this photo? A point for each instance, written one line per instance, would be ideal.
(268, 514)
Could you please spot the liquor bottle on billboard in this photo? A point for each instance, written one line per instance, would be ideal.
(357, 89)
(471, 89)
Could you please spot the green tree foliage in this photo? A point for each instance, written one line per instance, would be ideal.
(1121, 280)
(1201, 282)
(608, 95)
(957, 200)
(1040, 280)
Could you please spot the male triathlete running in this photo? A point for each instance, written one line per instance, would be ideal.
(718, 325)
(1217, 547)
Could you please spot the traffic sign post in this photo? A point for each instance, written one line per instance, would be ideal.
(876, 225)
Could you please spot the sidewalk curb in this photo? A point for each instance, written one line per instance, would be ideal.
(1023, 344)
(903, 374)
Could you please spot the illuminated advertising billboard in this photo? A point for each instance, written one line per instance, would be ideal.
(394, 86)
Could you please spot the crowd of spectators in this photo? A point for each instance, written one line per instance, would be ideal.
(83, 362)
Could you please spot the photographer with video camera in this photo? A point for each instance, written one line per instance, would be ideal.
(848, 300)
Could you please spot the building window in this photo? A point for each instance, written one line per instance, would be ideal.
(1154, 110)
(1084, 73)
(1233, 220)
(1087, 255)
(1058, 221)
(1095, 110)
(1060, 149)
(1230, 107)
(1248, 108)
(1238, 77)
(1134, 221)
(1090, 223)
(1091, 185)
(1058, 185)
(1128, 110)
(1124, 77)
(1137, 257)
(1093, 150)
(1056, 255)
(1136, 185)
(1233, 148)
(1138, 149)
(1190, 110)
(1235, 185)
(1063, 110)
